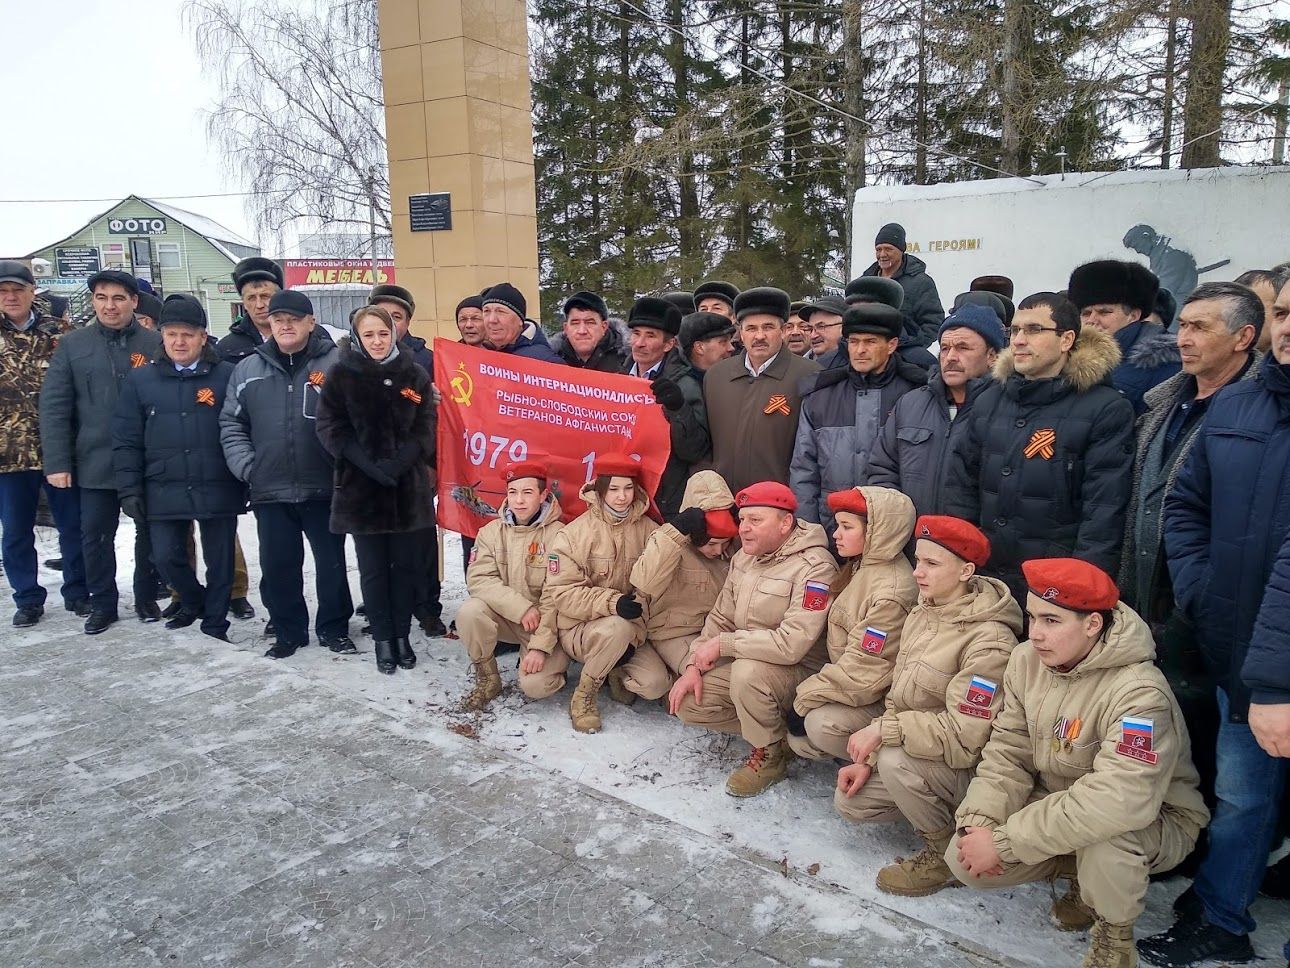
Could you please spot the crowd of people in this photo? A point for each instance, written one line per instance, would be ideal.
(1019, 570)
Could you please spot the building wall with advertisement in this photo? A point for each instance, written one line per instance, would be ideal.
(176, 250)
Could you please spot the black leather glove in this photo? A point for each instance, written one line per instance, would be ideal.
(133, 507)
(796, 724)
(693, 524)
(627, 607)
(358, 457)
(667, 393)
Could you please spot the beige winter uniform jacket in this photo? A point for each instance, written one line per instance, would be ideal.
(680, 584)
(933, 711)
(868, 617)
(1115, 777)
(590, 562)
(509, 566)
(766, 611)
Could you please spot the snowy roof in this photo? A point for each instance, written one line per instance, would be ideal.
(211, 230)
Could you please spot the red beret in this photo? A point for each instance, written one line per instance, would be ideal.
(766, 494)
(954, 534)
(526, 468)
(1071, 583)
(617, 465)
(848, 500)
(720, 523)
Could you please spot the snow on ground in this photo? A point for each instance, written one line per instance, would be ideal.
(648, 759)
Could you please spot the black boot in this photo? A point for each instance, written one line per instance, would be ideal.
(183, 618)
(100, 621)
(407, 658)
(386, 656)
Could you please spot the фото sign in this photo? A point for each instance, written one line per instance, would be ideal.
(332, 272)
(136, 226)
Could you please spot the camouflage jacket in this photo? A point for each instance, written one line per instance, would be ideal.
(24, 358)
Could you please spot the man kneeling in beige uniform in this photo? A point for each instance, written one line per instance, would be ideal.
(1088, 770)
(764, 635)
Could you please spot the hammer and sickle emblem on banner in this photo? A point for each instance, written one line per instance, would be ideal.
(462, 386)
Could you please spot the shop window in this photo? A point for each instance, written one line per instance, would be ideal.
(168, 255)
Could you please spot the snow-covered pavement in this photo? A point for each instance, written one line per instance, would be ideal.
(169, 797)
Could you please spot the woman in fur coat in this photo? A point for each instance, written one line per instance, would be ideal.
(377, 419)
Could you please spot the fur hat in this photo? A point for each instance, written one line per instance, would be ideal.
(396, 294)
(764, 299)
(180, 309)
(256, 269)
(656, 313)
(1112, 281)
(1001, 306)
(682, 300)
(149, 305)
(875, 318)
(824, 304)
(997, 284)
(728, 292)
(701, 326)
(871, 289)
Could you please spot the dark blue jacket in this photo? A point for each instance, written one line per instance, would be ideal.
(166, 446)
(532, 343)
(1150, 357)
(1267, 663)
(415, 347)
(1227, 517)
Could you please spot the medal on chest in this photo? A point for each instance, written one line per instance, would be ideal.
(1065, 731)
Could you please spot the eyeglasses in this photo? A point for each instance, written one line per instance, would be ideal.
(1030, 329)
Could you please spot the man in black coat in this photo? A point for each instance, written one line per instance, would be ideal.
(922, 303)
(256, 279)
(1045, 463)
(170, 468)
(588, 340)
(76, 404)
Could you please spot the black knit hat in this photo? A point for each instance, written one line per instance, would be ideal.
(876, 318)
(824, 304)
(587, 300)
(682, 300)
(893, 233)
(656, 313)
(1112, 281)
(113, 277)
(763, 299)
(256, 269)
(395, 294)
(183, 309)
(504, 294)
(996, 284)
(983, 320)
(291, 301)
(875, 289)
(1001, 306)
(149, 305)
(715, 287)
(470, 302)
(697, 327)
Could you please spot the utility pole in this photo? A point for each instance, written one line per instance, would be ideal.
(371, 222)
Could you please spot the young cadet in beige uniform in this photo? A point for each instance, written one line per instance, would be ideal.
(683, 568)
(597, 615)
(915, 761)
(1088, 769)
(764, 635)
(872, 597)
(505, 575)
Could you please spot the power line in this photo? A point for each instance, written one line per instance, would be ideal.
(159, 198)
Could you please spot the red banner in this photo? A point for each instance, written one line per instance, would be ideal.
(332, 272)
(497, 409)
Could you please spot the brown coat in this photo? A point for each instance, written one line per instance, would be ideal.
(24, 358)
(591, 561)
(680, 584)
(1044, 802)
(509, 567)
(930, 711)
(876, 600)
(765, 611)
(748, 443)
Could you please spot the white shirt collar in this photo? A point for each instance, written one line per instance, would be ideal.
(761, 369)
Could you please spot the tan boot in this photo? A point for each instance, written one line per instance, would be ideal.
(488, 686)
(924, 873)
(583, 711)
(1069, 912)
(1111, 946)
(618, 690)
(766, 766)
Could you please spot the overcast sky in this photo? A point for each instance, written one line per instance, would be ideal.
(114, 94)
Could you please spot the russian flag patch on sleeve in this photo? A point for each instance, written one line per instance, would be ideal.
(1136, 736)
(873, 641)
(980, 694)
(815, 598)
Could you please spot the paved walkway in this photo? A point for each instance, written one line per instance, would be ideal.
(170, 799)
